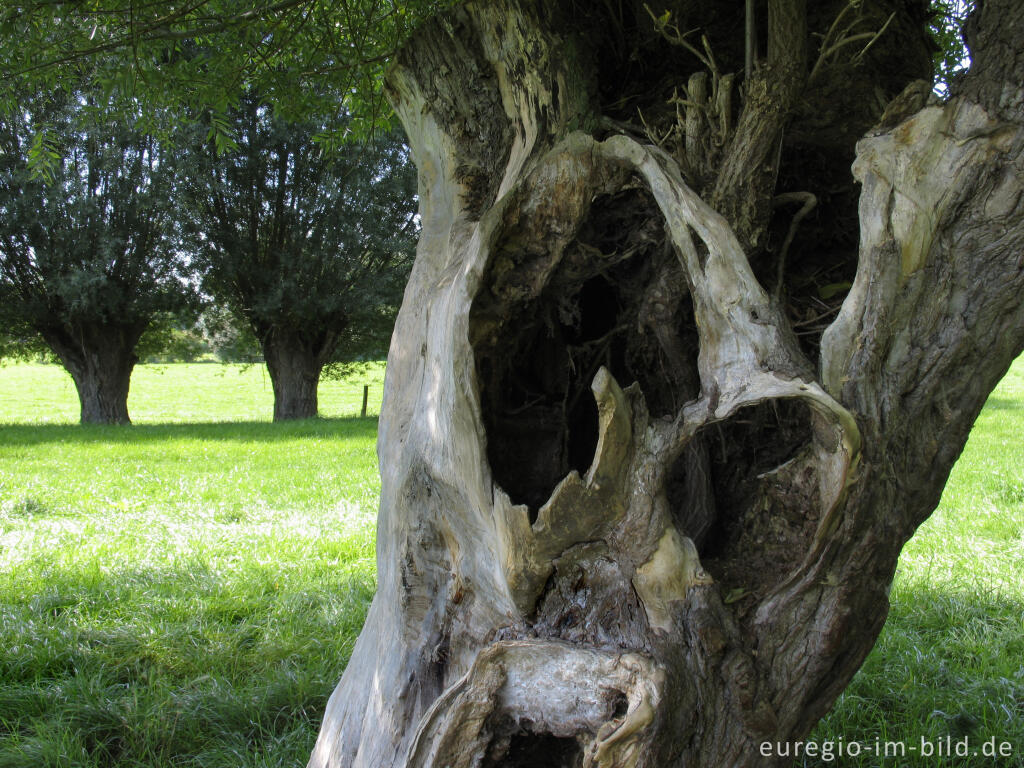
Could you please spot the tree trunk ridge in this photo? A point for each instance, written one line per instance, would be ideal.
(627, 518)
(100, 358)
(294, 363)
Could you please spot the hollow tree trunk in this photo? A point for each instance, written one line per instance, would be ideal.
(100, 358)
(628, 517)
(294, 364)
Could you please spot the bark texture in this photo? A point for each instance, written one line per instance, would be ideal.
(294, 362)
(100, 359)
(634, 512)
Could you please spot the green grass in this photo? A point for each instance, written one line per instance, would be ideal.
(187, 594)
(176, 393)
(950, 661)
(177, 594)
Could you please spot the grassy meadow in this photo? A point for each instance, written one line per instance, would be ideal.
(186, 591)
(178, 593)
(176, 393)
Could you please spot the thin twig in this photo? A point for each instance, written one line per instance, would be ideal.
(158, 29)
(816, 318)
(845, 38)
(679, 38)
(835, 24)
(867, 47)
(809, 202)
(748, 47)
(650, 131)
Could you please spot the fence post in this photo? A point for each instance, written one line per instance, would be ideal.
(366, 396)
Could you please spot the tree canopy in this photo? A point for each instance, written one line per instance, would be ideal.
(202, 56)
(90, 251)
(308, 250)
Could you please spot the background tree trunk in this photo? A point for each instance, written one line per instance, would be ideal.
(629, 517)
(100, 359)
(294, 366)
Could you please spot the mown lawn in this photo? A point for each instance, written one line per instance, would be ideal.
(177, 394)
(186, 591)
(171, 593)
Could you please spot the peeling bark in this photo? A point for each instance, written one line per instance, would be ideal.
(625, 519)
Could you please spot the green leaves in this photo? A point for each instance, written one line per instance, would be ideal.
(735, 595)
(951, 57)
(298, 232)
(87, 231)
(221, 134)
(190, 58)
(831, 290)
(44, 155)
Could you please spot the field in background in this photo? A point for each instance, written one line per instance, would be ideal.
(178, 594)
(177, 393)
(950, 660)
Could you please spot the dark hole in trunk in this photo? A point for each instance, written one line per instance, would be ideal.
(598, 310)
(749, 530)
(538, 750)
(523, 393)
(613, 297)
(620, 705)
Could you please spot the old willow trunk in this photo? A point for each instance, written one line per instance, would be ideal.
(100, 358)
(663, 404)
(294, 361)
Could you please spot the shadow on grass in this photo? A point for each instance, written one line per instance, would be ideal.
(250, 431)
(947, 665)
(163, 667)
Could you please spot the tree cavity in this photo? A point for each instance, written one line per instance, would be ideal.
(550, 313)
(525, 749)
(745, 491)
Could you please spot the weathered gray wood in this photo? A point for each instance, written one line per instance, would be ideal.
(534, 608)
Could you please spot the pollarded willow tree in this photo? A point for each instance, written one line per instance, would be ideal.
(307, 251)
(88, 251)
(664, 400)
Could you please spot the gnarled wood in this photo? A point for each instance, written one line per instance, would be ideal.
(626, 519)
